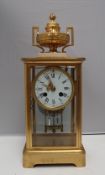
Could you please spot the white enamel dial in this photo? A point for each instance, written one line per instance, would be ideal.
(53, 88)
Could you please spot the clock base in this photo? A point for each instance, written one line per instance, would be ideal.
(32, 157)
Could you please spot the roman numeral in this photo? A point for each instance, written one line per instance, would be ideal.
(60, 100)
(39, 89)
(41, 82)
(53, 74)
(59, 76)
(64, 94)
(46, 100)
(66, 88)
(47, 77)
(53, 101)
(64, 81)
(41, 95)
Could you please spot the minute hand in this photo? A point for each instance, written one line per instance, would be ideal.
(51, 86)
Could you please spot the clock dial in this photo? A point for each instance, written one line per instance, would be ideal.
(53, 88)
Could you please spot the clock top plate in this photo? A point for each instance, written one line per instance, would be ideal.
(53, 56)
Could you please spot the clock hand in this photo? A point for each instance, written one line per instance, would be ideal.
(51, 87)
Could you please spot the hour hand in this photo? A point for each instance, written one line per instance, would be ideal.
(51, 87)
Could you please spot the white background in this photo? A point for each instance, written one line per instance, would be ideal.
(16, 20)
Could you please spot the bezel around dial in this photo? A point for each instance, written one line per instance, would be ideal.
(45, 106)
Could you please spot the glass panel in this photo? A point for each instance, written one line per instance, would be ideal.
(52, 128)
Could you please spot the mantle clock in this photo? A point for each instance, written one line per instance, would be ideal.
(53, 100)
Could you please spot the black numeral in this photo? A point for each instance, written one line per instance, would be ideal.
(53, 101)
(41, 95)
(46, 100)
(47, 77)
(53, 75)
(41, 82)
(60, 100)
(59, 77)
(39, 89)
(64, 94)
(64, 81)
(66, 88)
